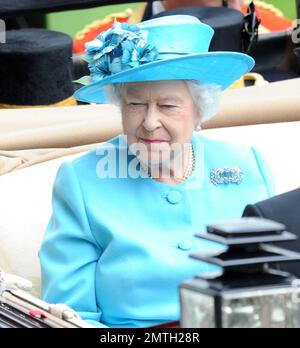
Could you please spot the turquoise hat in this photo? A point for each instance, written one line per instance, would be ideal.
(165, 48)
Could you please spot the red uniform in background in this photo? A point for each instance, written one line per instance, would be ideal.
(272, 20)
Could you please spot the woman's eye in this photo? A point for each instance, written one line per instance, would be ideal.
(168, 106)
(136, 104)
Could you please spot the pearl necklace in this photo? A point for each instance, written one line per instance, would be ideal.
(188, 170)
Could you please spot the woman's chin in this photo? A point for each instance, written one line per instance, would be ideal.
(155, 159)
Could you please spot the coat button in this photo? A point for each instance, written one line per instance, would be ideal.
(185, 244)
(174, 197)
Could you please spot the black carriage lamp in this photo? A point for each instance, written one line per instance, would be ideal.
(247, 292)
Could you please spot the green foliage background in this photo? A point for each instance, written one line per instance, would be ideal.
(71, 22)
(288, 7)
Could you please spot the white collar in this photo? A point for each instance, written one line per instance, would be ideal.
(157, 7)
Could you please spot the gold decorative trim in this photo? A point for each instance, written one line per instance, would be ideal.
(265, 6)
(99, 22)
(66, 102)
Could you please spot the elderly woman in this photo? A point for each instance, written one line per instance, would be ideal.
(125, 215)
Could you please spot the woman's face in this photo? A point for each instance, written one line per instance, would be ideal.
(158, 114)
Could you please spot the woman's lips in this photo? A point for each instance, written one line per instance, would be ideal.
(152, 141)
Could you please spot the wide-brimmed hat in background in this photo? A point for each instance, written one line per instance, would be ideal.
(165, 48)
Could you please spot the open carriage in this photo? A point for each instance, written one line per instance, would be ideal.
(34, 142)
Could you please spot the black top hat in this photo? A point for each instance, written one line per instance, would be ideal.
(35, 68)
(227, 23)
(21, 7)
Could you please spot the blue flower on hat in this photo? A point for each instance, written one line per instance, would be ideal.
(122, 47)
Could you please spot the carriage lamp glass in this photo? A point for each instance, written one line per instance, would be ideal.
(249, 292)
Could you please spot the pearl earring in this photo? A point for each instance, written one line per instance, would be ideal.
(198, 128)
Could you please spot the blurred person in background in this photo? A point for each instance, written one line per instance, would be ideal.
(272, 19)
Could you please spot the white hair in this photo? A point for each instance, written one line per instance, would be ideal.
(206, 97)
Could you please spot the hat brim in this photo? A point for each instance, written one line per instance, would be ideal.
(220, 68)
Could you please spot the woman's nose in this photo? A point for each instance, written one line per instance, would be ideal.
(152, 119)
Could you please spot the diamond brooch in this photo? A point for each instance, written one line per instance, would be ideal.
(226, 175)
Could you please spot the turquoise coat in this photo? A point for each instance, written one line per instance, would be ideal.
(116, 249)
